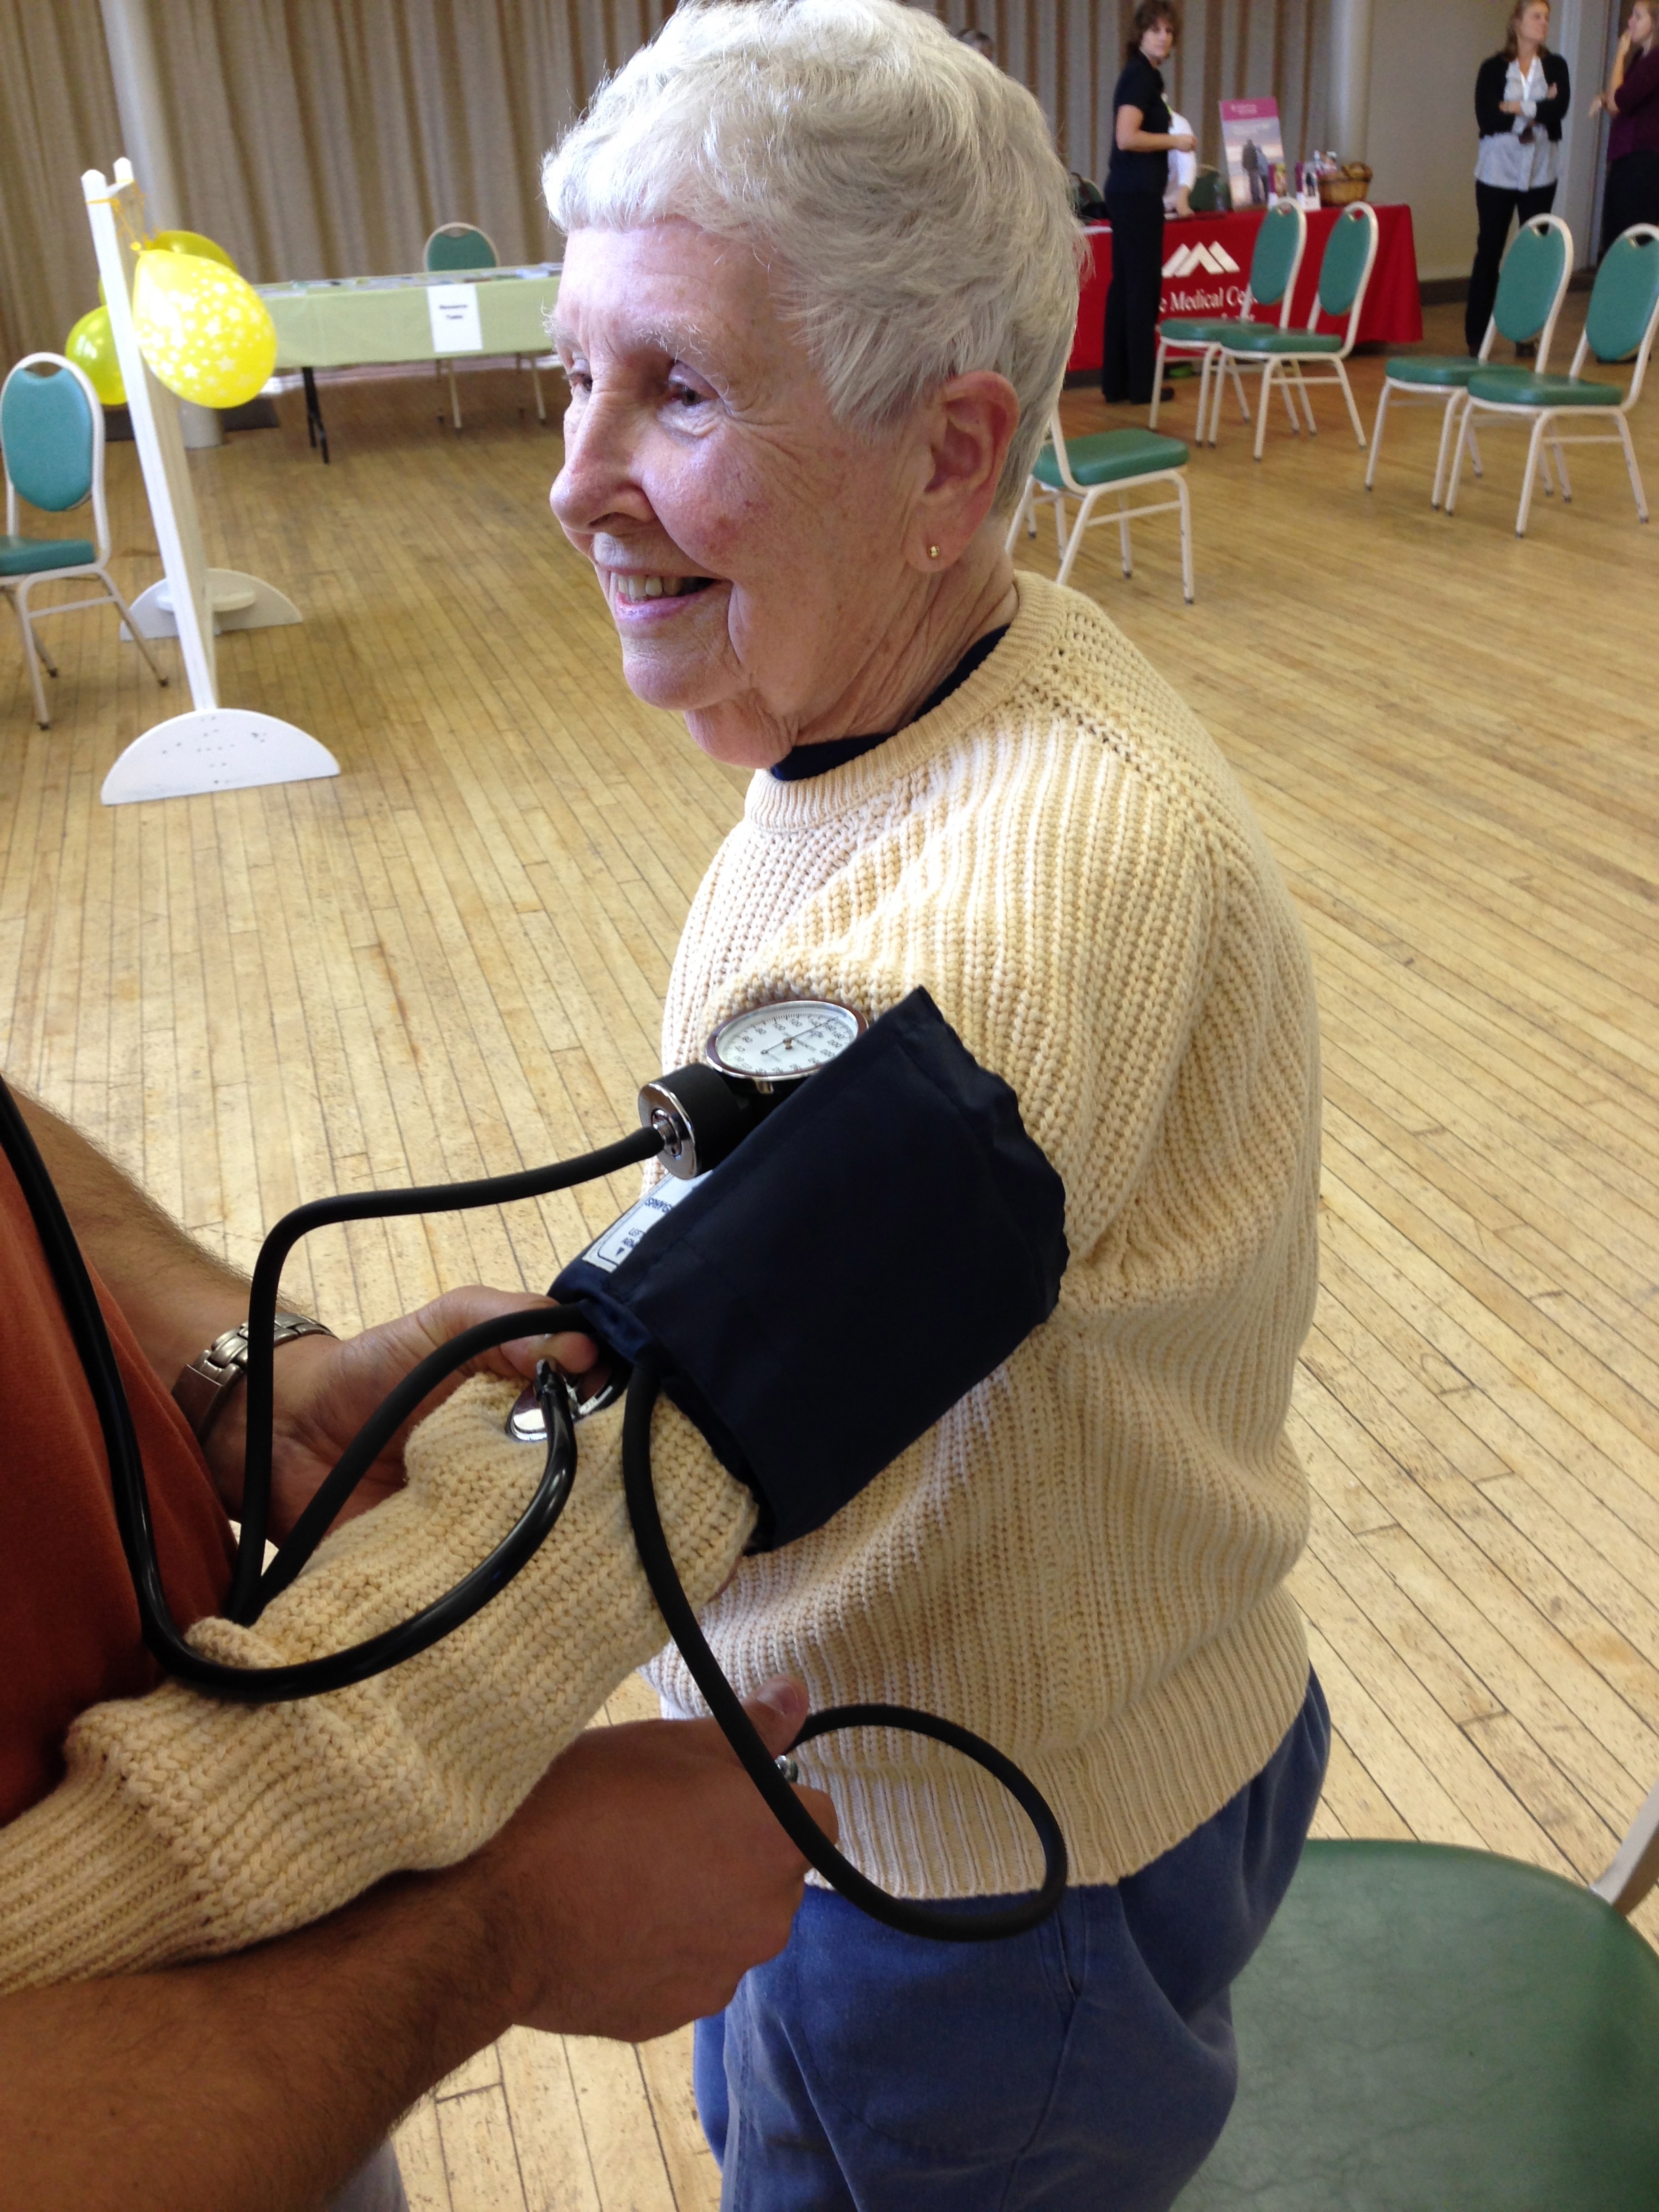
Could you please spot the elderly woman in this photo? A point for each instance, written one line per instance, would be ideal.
(818, 295)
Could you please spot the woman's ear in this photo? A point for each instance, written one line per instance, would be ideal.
(969, 426)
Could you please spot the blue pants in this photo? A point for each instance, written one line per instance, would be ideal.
(1087, 2067)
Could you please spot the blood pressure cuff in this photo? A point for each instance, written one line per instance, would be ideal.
(881, 1243)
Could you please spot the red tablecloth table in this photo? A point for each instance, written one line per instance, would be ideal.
(1206, 266)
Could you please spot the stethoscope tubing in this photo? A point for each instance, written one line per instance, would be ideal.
(946, 1923)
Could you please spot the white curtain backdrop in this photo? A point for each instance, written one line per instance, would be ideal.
(328, 137)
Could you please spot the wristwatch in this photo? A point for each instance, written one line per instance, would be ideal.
(202, 1390)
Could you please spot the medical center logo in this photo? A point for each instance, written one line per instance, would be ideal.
(1185, 290)
(1213, 260)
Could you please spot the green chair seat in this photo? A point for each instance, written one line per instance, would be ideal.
(1262, 337)
(1440, 369)
(1428, 2029)
(1111, 457)
(1505, 387)
(1198, 330)
(26, 556)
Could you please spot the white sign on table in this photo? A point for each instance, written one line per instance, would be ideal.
(455, 312)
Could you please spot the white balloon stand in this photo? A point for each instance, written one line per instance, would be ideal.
(213, 748)
(235, 601)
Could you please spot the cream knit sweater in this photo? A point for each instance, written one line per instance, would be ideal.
(1084, 1561)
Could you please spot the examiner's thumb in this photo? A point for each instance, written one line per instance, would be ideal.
(777, 1708)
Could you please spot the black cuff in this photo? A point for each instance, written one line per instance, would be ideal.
(878, 1246)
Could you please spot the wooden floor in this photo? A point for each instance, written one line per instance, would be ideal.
(450, 961)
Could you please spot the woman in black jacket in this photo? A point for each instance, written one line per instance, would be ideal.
(1520, 103)
(1142, 142)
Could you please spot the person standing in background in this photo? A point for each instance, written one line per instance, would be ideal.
(1633, 100)
(1521, 98)
(1142, 142)
(1183, 169)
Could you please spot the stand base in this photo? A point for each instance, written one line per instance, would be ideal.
(239, 602)
(215, 749)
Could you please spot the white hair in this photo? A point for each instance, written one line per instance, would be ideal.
(905, 194)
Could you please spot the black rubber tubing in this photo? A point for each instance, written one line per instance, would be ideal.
(946, 1923)
(374, 1654)
(246, 1595)
(130, 1494)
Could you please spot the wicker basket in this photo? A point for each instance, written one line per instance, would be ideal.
(1342, 191)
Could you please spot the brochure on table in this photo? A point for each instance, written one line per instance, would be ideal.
(1253, 150)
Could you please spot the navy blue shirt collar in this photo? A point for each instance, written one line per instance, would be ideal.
(835, 752)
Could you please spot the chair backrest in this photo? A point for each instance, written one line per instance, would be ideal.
(1280, 244)
(52, 441)
(460, 246)
(1531, 286)
(46, 433)
(1345, 270)
(1624, 306)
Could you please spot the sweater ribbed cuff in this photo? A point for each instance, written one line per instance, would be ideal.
(92, 1889)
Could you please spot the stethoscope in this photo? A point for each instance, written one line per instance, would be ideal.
(691, 1120)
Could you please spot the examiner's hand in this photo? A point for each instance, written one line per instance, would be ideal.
(644, 1876)
(326, 1390)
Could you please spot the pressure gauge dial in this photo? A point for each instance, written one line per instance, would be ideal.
(775, 1046)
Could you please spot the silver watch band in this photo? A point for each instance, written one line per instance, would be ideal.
(207, 1383)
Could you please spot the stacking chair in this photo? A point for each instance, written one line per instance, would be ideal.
(1623, 313)
(1429, 2029)
(461, 247)
(52, 442)
(1531, 286)
(1118, 461)
(1345, 272)
(1275, 263)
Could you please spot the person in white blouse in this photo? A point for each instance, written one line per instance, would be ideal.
(1183, 168)
(1521, 98)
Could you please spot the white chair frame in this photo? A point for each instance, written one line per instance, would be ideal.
(1291, 364)
(1545, 421)
(519, 360)
(17, 588)
(1210, 350)
(1452, 398)
(1090, 496)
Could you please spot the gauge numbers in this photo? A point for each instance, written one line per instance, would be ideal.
(781, 1043)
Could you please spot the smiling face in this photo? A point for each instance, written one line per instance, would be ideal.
(1532, 25)
(754, 553)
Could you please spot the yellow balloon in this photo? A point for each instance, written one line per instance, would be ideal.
(205, 332)
(191, 241)
(91, 346)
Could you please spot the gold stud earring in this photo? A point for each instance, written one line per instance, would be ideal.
(932, 552)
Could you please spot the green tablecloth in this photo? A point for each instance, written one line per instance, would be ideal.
(345, 322)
